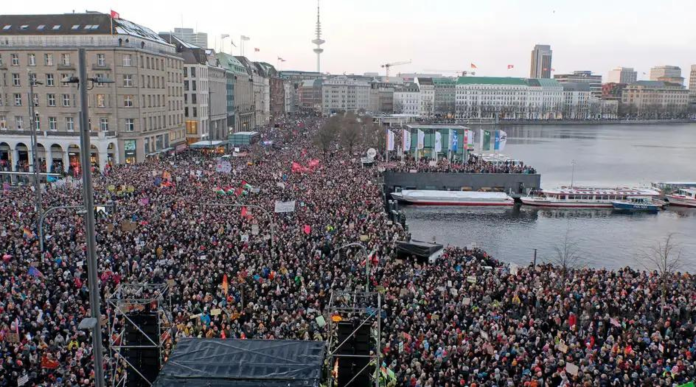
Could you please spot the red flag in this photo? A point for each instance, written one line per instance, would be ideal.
(298, 168)
(473, 66)
(511, 67)
(225, 284)
(257, 49)
(307, 229)
(553, 69)
(115, 15)
(313, 163)
(245, 213)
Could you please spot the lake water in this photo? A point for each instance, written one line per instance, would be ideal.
(605, 155)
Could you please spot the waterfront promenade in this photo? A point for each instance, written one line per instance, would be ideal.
(465, 320)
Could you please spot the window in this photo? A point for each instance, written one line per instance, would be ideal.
(41, 27)
(24, 27)
(51, 100)
(15, 80)
(186, 71)
(7, 27)
(19, 120)
(66, 100)
(101, 60)
(52, 123)
(101, 100)
(36, 99)
(195, 112)
(75, 27)
(128, 80)
(37, 122)
(49, 80)
(130, 124)
(15, 60)
(65, 59)
(3, 122)
(185, 98)
(128, 101)
(186, 85)
(186, 112)
(70, 123)
(0, 60)
(193, 85)
(127, 60)
(104, 124)
(193, 98)
(56, 27)
(32, 59)
(18, 99)
(32, 78)
(193, 72)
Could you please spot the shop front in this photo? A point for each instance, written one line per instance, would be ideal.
(130, 151)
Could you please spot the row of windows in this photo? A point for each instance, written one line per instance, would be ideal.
(100, 60)
(51, 99)
(68, 123)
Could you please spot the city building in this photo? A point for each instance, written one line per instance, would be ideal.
(541, 61)
(342, 93)
(290, 89)
(407, 99)
(140, 113)
(445, 92)
(217, 79)
(612, 91)
(242, 96)
(692, 85)
(261, 91)
(656, 95)
(381, 97)
(671, 74)
(508, 98)
(623, 75)
(309, 95)
(198, 39)
(427, 96)
(594, 81)
(579, 102)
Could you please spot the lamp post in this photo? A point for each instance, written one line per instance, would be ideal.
(88, 196)
(367, 261)
(34, 141)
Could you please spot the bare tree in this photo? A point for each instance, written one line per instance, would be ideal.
(328, 133)
(665, 257)
(350, 131)
(567, 255)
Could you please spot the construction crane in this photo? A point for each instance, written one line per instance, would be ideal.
(390, 65)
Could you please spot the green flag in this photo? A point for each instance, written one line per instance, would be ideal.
(487, 140)
(690, 384)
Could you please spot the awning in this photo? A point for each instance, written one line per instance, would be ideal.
(208, 144)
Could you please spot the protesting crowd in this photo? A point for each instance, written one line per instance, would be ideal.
(239, 272)
(475, 164)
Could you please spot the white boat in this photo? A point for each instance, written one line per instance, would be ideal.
(684, 198)
(668, 187)
(453, 198)
(585, 197)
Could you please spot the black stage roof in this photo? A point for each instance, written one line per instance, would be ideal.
(245, 363)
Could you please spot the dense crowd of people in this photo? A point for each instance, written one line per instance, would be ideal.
(474, 164)
(463, 320)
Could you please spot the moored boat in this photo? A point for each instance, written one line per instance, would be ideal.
(453, 198)
(668, 187)
(638, 204)
(585, 197)
(684, 197)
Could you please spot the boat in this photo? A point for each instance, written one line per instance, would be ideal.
(668, 187)
(453, 198)
(685, 197)
(638, 204)
(584, 197)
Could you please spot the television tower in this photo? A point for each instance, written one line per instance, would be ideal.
(318, 41)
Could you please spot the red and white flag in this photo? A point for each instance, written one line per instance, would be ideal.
(257, 49)
(115, 15)
(473, 66)
(511, 67)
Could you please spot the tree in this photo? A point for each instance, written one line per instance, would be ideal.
(350, 131)
(665, 257)
(567, 255)
(398, 106)
(327, 133)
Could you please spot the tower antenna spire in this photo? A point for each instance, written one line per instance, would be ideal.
(318, 41)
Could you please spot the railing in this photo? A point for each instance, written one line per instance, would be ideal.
(62, 66)
(104, 67)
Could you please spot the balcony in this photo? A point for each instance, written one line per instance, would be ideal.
(62, 66)
(104, 67)
(56, 133)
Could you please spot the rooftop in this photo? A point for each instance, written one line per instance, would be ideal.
(491, 81)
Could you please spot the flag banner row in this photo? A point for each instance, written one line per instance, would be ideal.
(492, 140)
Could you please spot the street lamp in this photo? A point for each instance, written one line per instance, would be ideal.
(367, 261)
(88, 194)
(34, 141)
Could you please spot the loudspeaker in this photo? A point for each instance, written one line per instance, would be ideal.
(358, 343)
(349, 367)
(145, 360)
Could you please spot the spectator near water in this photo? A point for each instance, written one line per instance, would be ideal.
(465, 320)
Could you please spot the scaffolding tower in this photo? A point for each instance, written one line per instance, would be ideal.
(364, 309)
(122, 306)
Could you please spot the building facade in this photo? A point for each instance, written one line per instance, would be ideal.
(218, 102)
(445, 93)
(623, 75)
(427, 96)
(541, 61)
(407, 99)
(655, 94)
(593, 81)
(671, 74)
(341, 93)
(241, 115)
(139, 114)
(692, 85)
(309, 95)
(290, 90)
(612, 91)
(381, 97)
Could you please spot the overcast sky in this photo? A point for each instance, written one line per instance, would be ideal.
(445, 35)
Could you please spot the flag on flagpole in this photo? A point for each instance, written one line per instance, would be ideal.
(496, 144)
(115, 15)
(503, 140)
(390, 140)
(407, 140)
(421, 139)
(473, 66)
(555, 70)
(455, 140)
(438, 142)
(245, 38)
(511, 66)
(281, 59)
(470, 139)
(487, 140)
(257, 49)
